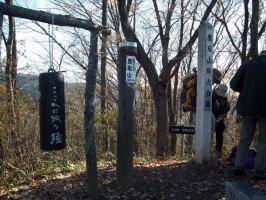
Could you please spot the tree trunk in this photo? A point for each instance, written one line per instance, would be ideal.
(172, 108)
(14, 62)
(160, 99)
(10, 69)
(103, 78)
(182, 144)
(254, 29)
(2, 157)
(243, 54)
(11, 79)
(90, 148)
(173, 143)
(188, 144)
(171, 114)
(1, 36)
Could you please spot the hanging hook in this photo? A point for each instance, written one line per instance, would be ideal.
(51, 70)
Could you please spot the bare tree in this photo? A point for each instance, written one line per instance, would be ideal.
(103, 72)
(245, 49)
(172, 94)
(11, 61)
(11, 79)
(157, 82)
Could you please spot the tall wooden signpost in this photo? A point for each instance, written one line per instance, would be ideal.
(204, 93)
(126, 111)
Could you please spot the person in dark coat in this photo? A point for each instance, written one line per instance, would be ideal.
(250, 82)
(220, 107)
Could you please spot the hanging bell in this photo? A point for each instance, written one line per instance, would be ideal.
(52, 111)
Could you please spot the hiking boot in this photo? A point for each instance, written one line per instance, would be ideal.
(259, 175)
(237, 171)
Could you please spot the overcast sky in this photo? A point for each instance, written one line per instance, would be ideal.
(33, 46)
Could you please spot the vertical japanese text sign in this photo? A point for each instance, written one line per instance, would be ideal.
(208, 70)
(204, 93)
(52, 111)
(131, 69)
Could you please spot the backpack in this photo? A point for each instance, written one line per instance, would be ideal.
(188, 93)
(223, 108)
(250, 160)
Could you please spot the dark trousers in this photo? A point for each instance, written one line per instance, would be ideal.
(246, 136)
(219, 131)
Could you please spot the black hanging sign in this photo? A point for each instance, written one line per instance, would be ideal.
(52, 111)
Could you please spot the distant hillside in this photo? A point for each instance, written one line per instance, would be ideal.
(29, 84)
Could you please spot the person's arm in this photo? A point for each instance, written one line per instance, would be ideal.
(236, 82)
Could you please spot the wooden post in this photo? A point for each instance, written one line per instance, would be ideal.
(126, 111)
(204, 93)
(90, 147)
(1, 35)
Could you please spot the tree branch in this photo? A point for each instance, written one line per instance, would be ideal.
(227, 30)
(63, 48)
(129, 2)
(165, 39)
(262, 29)
(185, 50)
(245, 32)
(142, 56)
(159, 21)
(254, 29)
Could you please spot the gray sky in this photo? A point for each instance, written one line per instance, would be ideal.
(33, 46)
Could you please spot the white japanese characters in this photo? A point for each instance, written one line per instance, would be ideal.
(208, 68)
(131, 69)
(55, 120)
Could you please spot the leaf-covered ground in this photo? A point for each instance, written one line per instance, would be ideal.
(180, 180)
